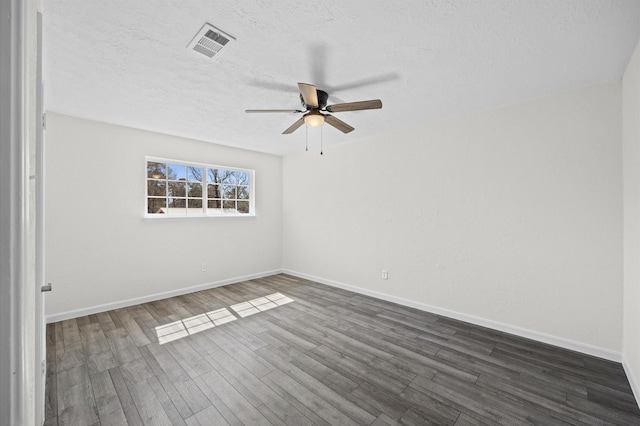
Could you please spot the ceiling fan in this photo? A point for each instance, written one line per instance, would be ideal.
(314, 102)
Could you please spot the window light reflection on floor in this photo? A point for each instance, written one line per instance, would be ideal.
(260, 304)
(195, 324)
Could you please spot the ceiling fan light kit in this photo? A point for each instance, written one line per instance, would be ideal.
(314, 102)
(313, 119)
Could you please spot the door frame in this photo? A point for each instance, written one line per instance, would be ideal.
(40, 322)
(14, 192)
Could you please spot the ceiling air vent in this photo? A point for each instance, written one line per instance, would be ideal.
(209, 41)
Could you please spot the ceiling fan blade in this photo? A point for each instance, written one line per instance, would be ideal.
(337, 123)
(355, 106)
(271, 110)
(294, 127)
(309, 94)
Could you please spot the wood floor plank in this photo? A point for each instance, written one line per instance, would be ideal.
(59, 339)
(101, 361)
(384, 420)
(468, 402)
(427, 409)
(256, 365)
(226, 411)
(207, 417)
(165, 401)
(594, 412)
(379, 401)
(310, 399)
(287, 396)
(213, 383)
(76, 404)
(71, 335)
(167, 362)
(330, 377)
(123, 348)
(51, 386)
(276, 357)
(105, 321)
(50, 336)
(70, 359)
(500, 401)
(466, 420)
(612, 397)
(108, 404)
(488, 371)
(190, 360)
(362, 370)
(126, 401)
(149, 408)
(93, 339)
(192, 395)
(327, 357)
(176, 397)
(135, 371)
(254, 390)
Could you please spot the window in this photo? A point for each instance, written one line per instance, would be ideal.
(176, 188)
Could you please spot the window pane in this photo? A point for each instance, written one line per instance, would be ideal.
(194, 174)
(177, 189)
(177, 202)
(195, 203)
(155, 204)
(243, 178)
(243, 207)
(157, 188)
(228, 191)
(230, 177)
(213, 176)
(177, 172)
(195, 189)
(213, 191)
(243, 193)
(156, 170)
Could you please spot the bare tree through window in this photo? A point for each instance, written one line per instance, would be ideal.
(190, 189)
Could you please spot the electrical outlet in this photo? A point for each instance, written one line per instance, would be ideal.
(385, 274)
(204, 267)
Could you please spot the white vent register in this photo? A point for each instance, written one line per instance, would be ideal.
(209, 41)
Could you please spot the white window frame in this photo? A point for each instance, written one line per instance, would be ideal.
(205, 210)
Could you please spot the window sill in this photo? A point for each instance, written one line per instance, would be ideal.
(201, 216)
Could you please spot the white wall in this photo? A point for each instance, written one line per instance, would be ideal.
(510, 217)
(631, 159)
(100, 249)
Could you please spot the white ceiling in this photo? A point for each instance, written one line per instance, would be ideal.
(127, 62)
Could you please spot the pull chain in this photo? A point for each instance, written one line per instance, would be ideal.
(321, 140)
(306, 138)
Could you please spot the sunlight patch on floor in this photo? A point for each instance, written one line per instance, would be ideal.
(182, 328)
(260, 304)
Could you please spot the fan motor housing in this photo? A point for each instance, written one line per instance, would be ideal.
(322, 100)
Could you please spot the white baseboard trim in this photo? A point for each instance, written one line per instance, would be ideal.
(495, 325)
(150, 298)
(633, 379)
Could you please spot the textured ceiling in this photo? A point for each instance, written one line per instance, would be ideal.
(127, 62)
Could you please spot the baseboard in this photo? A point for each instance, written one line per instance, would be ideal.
(150, 298)
(495, 325)
(633, 379)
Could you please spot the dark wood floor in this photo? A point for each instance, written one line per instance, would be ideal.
(301, 353)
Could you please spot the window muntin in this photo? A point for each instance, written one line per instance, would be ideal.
(176, 188)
